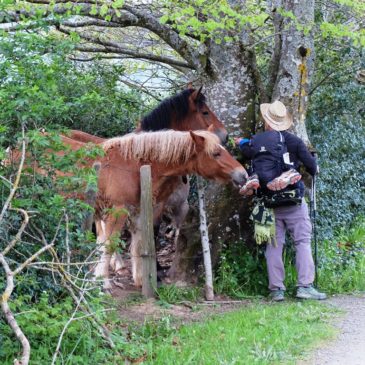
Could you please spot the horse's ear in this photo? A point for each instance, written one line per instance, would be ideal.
(195, 95)
(198, 140)
(211, 128)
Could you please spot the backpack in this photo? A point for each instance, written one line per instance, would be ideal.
(268, 154)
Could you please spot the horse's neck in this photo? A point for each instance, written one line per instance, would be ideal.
(167, 170)
(163, 188)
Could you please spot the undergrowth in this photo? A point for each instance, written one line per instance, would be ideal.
(341, 268)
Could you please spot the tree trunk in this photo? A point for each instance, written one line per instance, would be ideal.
(296, 63)
(232, 86)
(230, 89)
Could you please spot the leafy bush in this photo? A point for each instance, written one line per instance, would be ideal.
(342, 260)
(43, 324)
(43, 88)
(241, 271)
(336, 123)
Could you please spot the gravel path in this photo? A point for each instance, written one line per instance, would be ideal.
(349, 346)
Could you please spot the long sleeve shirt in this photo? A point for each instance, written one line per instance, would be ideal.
(298, 152)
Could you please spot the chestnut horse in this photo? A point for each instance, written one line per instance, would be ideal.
(170, 154)
(183, 112)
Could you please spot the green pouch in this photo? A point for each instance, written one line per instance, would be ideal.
(264, 221)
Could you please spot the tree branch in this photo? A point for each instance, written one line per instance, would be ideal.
(19, 233)
(9, 315)
(17, 179)
(114, 47)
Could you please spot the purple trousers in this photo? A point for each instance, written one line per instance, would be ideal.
(296, 220)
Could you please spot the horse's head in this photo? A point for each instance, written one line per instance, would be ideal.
(201, 117)
(184, 112)
(214, 162)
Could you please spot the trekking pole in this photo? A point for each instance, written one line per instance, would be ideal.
(313, 211)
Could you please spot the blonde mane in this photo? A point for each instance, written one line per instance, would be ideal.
(163, 146)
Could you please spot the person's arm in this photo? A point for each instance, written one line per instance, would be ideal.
(307, 158)
(245, 147)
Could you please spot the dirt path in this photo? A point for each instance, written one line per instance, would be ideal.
(349, 346)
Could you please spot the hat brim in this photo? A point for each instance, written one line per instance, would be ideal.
(282, 125)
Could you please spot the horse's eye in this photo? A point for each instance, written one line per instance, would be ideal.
(205, 113)
(216, 154)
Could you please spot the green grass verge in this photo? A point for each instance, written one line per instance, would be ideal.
(259, 334)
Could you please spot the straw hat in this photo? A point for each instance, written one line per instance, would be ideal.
(276, 116)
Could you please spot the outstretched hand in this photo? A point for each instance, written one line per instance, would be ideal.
(237, 140)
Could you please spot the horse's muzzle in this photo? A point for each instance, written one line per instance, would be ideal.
(239, 177)
(222, 134)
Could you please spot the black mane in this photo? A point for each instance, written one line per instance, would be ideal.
(162, 115)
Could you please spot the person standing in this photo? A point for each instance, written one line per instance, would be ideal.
(284, 195)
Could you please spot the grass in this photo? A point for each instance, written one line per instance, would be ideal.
(259, 334)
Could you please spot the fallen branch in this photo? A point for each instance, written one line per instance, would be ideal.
(17, 178)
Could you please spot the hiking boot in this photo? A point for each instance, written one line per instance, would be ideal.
(251, 185)
(310, 292)
(286, 178)
(277, 295)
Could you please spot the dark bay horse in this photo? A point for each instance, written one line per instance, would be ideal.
(183, 112)
(170, 154)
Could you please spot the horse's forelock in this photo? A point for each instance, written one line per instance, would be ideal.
(211, 141)
(165, 146)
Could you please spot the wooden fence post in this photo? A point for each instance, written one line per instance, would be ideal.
(148, 252)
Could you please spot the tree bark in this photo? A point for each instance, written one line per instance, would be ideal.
(209, 292)
(231, 91)
(296, 63)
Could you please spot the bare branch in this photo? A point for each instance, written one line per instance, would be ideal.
(182, 47)
(17, 179)
(133, 54)
(9, 315)
(20, 231)
(32, 258)
(115, 47)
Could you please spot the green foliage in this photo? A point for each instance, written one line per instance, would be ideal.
(342, 260)
(336, 125)
(42, 88)
(242, 271)
(42, 323)
(173, 295)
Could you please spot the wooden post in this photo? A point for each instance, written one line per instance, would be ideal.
(148, 252)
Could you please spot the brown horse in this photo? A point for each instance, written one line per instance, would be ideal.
(183, 112)
(170, 154)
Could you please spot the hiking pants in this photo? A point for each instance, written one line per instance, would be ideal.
(296, 220)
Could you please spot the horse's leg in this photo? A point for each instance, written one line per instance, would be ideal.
(99, 270)
(106, 230)
(180, 218)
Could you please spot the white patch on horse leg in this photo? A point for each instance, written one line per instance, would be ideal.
(102, 268)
